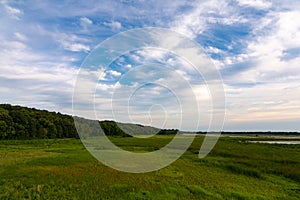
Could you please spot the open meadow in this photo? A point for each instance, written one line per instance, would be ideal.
(64, 169)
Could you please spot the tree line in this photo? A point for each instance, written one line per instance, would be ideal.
(17, 122)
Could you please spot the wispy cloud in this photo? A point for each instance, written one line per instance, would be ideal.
(114, 25)
(20, 36)
(13, 12)
(85, 21)
(255, 45)
(259, 4)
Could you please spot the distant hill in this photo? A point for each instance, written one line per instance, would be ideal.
(138, 129)
(17, 122)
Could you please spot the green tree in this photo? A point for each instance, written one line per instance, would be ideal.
(3, 130)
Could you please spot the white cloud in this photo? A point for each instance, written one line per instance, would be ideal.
(151, 54)
(195, 22)
(85, 21)
(105, 87)
(128, 66)
(275, 89)
(115, 25)
(259, 4)
(70, 42)
(262, 61)
(12, 11)
(34, 78)
(35, 85)
(215, 50)
(13, 45)
(20, 36)
(76, 47)
(266, 51)
(190, 24)
(114, 73)
(268, 102)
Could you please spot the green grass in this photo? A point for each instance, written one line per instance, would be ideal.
(63, 169)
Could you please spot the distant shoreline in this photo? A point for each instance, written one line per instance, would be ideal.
(276, 135)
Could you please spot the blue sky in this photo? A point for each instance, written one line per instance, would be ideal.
(255, 45)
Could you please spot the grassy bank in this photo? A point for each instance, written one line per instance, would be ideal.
(63, 169)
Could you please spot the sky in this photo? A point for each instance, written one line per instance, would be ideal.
(253, 44)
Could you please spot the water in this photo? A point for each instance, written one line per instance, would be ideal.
(275, 142)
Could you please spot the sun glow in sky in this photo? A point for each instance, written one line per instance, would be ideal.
(255, 45)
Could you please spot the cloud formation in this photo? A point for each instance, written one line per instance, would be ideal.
(255, 45)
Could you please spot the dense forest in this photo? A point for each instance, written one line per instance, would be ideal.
(18, 122)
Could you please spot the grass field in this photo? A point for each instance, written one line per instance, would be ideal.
(63, 169)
